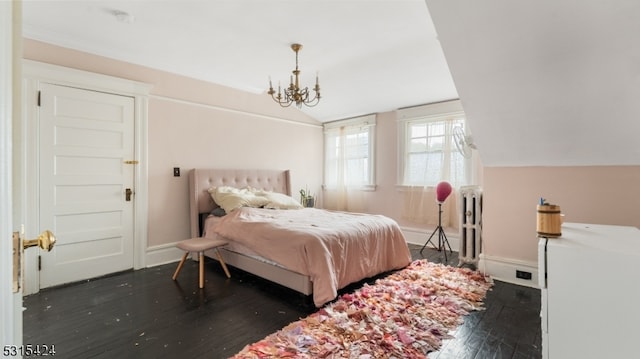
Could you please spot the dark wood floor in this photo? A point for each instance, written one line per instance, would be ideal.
(144, 314)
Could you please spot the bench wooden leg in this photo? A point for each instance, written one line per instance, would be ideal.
(201, 265)
(184, 257)
(224, 265)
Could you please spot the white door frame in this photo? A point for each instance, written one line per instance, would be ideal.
(35, 73)
(10, 303)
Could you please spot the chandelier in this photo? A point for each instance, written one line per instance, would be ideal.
(293, 93)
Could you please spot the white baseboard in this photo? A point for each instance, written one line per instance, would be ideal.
(419, 236)
(504, 269)
(163, 254)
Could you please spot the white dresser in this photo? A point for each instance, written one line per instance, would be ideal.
(590, 284)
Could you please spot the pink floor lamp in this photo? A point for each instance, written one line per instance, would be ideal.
(443, 190)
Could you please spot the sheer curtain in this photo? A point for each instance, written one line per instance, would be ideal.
(430, 157)
(336, 193)
(420, 206)
(348, 163)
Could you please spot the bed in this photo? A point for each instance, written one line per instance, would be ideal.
(315, 252)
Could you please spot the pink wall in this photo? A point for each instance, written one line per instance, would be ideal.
(197, 124)
(598, 194)
(202, 132)
(601, 194)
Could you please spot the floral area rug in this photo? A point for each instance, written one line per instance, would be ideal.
(406, 314)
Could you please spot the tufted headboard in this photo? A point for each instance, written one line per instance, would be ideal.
(201, 179)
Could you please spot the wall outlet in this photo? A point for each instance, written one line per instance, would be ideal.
(523, 275)
(176, 171)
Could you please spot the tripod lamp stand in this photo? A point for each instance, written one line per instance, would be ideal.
(443, 190)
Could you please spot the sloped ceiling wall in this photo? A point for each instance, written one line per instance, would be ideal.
(546, 83)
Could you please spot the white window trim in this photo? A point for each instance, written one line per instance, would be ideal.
(430, 111)
(361, 121)
(368, 120)
(438, 109)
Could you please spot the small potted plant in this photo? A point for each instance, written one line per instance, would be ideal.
(306, 198)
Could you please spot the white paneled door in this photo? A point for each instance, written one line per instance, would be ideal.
(86, 183)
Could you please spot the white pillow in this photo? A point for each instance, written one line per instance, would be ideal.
(231, 198)
(279, 200)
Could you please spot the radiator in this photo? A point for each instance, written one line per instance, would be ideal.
(470, 224)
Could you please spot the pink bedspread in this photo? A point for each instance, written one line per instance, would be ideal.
(333, 248)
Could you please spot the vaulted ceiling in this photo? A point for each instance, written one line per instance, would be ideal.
(546, 82)
(371, 56)
(542, 82)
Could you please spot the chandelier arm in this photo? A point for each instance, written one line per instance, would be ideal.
(314, 101)
(285, 104)
(282, 103)
(316, 91)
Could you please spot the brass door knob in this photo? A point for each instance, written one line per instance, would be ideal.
(46, 240)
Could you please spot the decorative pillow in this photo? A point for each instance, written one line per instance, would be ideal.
(231, 198)
(279, 200)
(218, 212)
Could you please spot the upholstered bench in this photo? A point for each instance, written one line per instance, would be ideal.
(200, 245)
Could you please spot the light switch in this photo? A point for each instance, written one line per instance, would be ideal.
(176, 171)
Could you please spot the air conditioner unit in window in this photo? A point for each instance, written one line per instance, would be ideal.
(470, 224)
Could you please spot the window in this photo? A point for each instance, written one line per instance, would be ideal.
(428, 152)
(349, 152)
